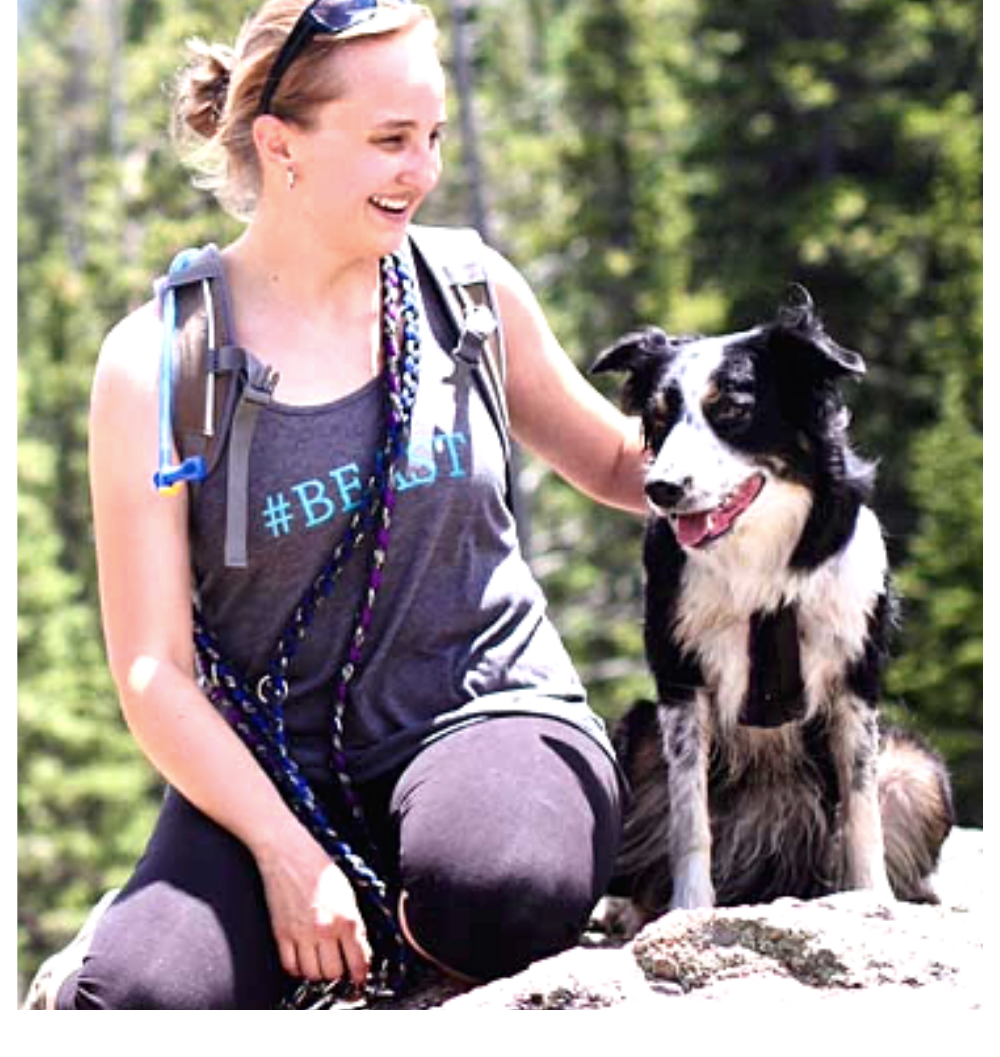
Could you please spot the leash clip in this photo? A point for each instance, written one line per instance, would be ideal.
(479, 325)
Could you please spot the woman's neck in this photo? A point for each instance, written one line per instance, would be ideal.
(314, 316)
(296, 275)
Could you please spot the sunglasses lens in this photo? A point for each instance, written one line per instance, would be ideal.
(335, 16)
(322, 17)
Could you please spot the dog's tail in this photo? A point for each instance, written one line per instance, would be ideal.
(917, 812)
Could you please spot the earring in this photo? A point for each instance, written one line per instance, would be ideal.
(290, 177)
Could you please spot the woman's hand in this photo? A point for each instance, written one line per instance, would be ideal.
(146, 606)
(314, 915)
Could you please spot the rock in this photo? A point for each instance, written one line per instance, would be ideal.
(578, 979)
(788, 951)
(914, 960)
(850, 940)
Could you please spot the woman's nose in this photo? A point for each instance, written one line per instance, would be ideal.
(423, 169)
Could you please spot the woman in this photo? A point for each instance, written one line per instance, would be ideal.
(487, 786)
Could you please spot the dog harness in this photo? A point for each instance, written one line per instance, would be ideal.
(775, 691)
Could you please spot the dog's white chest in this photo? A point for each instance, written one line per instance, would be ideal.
(718, 602)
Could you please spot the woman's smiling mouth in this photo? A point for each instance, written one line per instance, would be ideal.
(395, 207)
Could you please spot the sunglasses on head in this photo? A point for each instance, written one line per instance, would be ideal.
(322, 17)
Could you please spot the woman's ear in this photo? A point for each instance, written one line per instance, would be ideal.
(275, 143)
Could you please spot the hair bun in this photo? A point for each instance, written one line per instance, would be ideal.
(204, 87)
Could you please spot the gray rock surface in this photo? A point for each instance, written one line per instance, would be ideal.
(897, 960)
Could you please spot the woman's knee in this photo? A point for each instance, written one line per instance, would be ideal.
(508, 832)
(103, 983)
(159, 947)
(111, 981)
(494, 919)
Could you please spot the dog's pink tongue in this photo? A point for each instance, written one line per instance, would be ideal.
(691, 529)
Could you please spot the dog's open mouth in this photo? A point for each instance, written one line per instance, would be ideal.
(704, 526)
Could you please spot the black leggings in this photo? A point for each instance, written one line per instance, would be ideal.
(503, 834)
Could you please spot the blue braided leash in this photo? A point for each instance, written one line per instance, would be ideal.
(256, 710)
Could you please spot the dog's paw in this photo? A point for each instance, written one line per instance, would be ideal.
(867, 873)
(687, 900)
(692, 887)
(877, 892)
(615, 916)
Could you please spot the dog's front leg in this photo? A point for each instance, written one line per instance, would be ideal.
(864, 848)
(684, 735)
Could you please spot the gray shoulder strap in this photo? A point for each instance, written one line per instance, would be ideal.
(456, 259)
(219, 389)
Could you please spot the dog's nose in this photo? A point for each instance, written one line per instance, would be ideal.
(666, 494)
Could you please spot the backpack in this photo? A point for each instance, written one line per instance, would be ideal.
(211, 390)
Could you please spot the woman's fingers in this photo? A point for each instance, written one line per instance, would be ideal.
(314, 915)
(357, 955)
(309, 962)
(289, 957)
(330, 961)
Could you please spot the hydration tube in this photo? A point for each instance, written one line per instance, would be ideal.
(171, 475)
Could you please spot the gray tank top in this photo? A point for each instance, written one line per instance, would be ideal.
(460, 631)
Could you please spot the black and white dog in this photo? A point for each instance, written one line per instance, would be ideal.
(761, 771)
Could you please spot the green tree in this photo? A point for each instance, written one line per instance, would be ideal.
(939, 674)
(840, 145)
(96, 184)
(668, 161)
(609, 254)
(819, 155)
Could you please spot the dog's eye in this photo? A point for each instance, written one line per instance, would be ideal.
(729, 409)
(661, 417)
(655, 430)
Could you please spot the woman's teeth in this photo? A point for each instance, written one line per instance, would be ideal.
(390, 205)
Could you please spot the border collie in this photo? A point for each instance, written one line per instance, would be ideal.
(761, 771)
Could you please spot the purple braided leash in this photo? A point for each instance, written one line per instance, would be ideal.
(257, 711)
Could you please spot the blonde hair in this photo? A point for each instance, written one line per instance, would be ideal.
(217, 94)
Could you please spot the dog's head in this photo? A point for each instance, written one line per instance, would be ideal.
(738, 423)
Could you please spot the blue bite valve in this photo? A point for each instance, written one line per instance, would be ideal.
(168, 478)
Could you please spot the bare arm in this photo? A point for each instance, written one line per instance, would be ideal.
(144, 573)
(555, 412)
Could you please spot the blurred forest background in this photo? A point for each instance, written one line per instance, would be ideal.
(676, 161)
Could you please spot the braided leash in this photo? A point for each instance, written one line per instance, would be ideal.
(256, 711)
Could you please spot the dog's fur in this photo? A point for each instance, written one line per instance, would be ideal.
(761, 771)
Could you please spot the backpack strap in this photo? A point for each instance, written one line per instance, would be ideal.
(455, 259)
(218, 388)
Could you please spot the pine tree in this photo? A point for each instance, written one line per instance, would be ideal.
(97, 182)
(840, 146)
(936, 681)
(614, 257)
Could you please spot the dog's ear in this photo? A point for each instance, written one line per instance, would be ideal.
(639, 354)
(799, 330)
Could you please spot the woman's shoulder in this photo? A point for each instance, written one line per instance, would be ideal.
(129, 356)
(124, 406)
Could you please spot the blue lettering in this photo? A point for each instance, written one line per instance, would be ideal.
(454, 442)
(445, 456)
(312, 495)
(421, 468)
(278, 516)
(349, 485)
